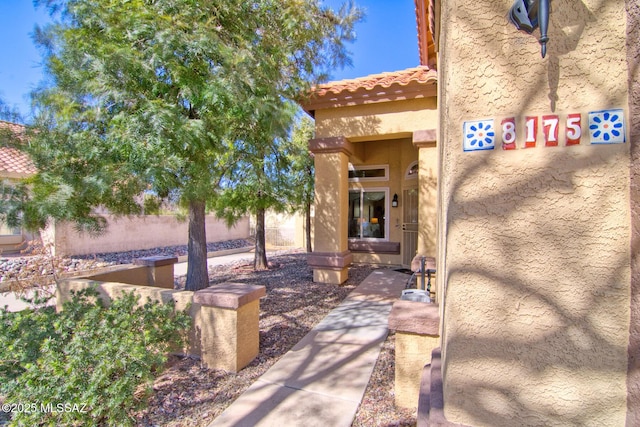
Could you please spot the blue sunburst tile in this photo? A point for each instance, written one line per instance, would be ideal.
(479, 135)
(607, 127)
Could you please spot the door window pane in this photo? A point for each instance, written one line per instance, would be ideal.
(367, 214)
(354, 214)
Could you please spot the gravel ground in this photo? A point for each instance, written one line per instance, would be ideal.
(18, 271)
(187, 394)
(126, 257)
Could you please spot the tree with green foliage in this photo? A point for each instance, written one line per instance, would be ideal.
(260, 179)
(161, 95)
(302, 172)
(275, 172)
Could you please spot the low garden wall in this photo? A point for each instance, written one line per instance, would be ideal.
(224, 333)
(136, 233)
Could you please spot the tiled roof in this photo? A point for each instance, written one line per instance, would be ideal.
(426, 25)
(14, 163)
(419, 75)
(417, 82)
(13, 127)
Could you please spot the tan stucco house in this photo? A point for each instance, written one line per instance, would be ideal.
(14, 165)
(375, 157)
(526, 193)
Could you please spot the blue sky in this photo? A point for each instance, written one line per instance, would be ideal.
(386, 41)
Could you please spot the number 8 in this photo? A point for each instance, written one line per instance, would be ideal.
(509, 134)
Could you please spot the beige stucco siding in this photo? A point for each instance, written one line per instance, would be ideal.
(428, 191)
(534, 243)
(633, 55)
(383, 120)
(331, 173)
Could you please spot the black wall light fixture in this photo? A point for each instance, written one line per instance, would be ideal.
(394, 202)
(527, 15)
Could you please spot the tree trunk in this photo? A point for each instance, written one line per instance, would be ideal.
(197, 271)
(307, 214)
(260, 261)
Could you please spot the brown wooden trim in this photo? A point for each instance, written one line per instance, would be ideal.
(330, 260)
(424, 138)
(373, 247)
(336, 144)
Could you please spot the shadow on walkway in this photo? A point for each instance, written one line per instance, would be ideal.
(322, 379)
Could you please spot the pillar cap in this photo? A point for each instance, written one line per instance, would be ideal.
(155, 261)
(424, 138)
(330, 260)
(333, 144)
(229, 295)
(414, 317)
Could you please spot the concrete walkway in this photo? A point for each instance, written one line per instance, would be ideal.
(322, 379)
(217, 258)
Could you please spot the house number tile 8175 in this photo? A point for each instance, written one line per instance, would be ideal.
(549, 130)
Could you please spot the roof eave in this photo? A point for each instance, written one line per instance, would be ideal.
(371, 96)
(15, 175)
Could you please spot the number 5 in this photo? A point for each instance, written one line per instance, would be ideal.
(574, 129)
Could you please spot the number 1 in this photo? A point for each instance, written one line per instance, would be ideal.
(531, 123)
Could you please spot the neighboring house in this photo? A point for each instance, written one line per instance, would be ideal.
(14, 165)
(528, 177)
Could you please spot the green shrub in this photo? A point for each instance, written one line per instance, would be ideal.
(89, 364)
(21, 335)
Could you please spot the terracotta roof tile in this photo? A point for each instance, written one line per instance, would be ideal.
(421, 74)
(12, 161)
(15, 162)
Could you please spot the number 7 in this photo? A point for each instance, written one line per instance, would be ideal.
(550, 127)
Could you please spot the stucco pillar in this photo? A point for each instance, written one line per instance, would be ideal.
(331, 257)
(228, 324)
(417, 327)
(633, 59)
(425, 142)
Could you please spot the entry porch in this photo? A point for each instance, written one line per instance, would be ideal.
(376, 171)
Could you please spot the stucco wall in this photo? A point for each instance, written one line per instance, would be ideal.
(633, 58)
(382, 120)
(145, 232)
(428, 192)
(12, 243)
(534, 243)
